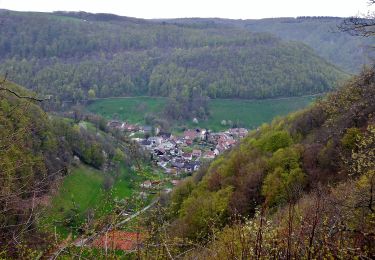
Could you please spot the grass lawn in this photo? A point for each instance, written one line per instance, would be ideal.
(247, 113)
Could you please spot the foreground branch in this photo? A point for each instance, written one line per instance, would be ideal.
(2, 87)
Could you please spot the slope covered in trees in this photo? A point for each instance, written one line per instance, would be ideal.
(299, 187)
(320, 33)
(323, 35)
(31, 158)
(36, 151)
(74, 56)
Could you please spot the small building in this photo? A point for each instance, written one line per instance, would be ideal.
(146, 143)
(170, 171)
(146, 184)
(168, 145)
(175, 182)
(156, 182)
(238, 132)
(162, 164)
(209, 155)
(114, 124)
(187, 156)
(155, 140)
(192, 166)
(231, 142)
(165, 135)
(130, 128)
(175, 152)
(191, 134)
(197, 153)
(119, 240)
(177, 165)
(159, 151)
(147, 129)
(179, 141)
(167, 190)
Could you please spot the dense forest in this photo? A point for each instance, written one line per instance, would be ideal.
(323, 34)
(301, 186)
(75, 56)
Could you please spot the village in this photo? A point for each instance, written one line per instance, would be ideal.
(181, 154)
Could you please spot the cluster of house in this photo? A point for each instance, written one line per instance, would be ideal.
(181, 153)
(185, 153)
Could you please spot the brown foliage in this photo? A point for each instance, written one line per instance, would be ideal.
(247, 196)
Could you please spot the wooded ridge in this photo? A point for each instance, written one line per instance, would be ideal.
(73, 56)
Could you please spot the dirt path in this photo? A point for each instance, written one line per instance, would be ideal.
(137, 213)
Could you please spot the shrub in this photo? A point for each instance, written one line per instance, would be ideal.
(349, 139)
(274, 140)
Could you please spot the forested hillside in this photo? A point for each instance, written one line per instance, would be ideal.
(323, 34)
(299, 187)
(36, 151)
(75, 56)
(31, 159)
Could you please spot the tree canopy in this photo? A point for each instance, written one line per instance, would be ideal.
(75, 56)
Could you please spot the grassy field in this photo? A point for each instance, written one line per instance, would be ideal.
(247, 113)
(130, 109)
(83, 191)
(251, 113)
(80, 190)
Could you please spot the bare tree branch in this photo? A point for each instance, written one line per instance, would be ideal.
(360, 26)
(2, 87)
(357, 26)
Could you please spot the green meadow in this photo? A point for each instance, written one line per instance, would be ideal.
(251, 113)
(132, 109)
(247, 113)
(82, 193)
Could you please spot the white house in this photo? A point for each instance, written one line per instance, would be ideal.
(146, 184)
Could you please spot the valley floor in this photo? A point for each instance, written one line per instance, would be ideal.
(245, 113)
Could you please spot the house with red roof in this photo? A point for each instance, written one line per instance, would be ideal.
(190, 134)
(209, 155)
(187, 156)
(119, 240)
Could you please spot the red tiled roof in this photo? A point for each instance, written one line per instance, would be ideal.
(191, 134)
(119, 240)
(209, 154)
